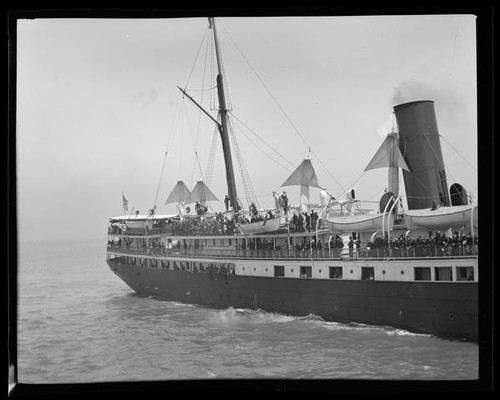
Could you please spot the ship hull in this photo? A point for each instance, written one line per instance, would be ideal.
(447, 309)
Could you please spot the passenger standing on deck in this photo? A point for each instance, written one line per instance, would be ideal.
(285, 202)
(358, 247)
(351, 247)
(226, 202)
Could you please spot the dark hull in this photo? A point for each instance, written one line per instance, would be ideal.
(444, 309)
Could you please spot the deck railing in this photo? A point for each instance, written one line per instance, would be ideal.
(418, 252)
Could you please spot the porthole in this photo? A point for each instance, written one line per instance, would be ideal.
(451, 316)
(243, 268)
(383, 272)
(402, 272)
(266, 269)
(291, 270)
(319, 271)
(255, 269)
(352, 272)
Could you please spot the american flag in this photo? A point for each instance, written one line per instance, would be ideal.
(125, 202)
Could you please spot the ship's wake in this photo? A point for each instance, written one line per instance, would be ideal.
(234, 316)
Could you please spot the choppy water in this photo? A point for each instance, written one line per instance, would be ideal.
(78, 323)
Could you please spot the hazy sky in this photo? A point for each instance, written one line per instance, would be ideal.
(98, 105)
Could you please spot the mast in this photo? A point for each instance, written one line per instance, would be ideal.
(223, 127)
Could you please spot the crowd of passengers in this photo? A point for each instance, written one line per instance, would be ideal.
(437, 244)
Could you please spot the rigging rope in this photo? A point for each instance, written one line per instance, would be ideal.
(211, 159)
(174, 119)
(263, 152)
(278, 104)
(463, 158)
(196, 58)
(195, 148)
(267, 144)
(247, 184)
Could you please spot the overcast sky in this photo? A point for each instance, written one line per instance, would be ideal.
(98, 105)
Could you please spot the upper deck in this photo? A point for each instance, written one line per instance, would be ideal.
(167, 235)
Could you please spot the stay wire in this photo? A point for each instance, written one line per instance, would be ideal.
(262, 151)
(277, 103)
(174, 119)
(463, 158)
(196, 58)
(263, 141)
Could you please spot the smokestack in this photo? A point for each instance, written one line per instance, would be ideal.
(421, 148)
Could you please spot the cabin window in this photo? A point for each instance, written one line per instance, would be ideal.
(422, 273)
(229, 242)
(465, 273)
(306, 272)
(279, 270)
(367, 273)
(443, 273)
(335, 272)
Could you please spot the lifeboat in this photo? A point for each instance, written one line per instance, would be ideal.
(266, 226)
(443, 217)
(359, 223)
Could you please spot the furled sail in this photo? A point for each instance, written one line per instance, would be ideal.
(202, 193)
(180, 193)
(304, 175)
(388, 155)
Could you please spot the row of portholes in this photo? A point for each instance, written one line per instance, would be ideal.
(352, 271)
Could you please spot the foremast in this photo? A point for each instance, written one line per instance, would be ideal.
(223, 124)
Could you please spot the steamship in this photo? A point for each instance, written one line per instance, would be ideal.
(390, 273)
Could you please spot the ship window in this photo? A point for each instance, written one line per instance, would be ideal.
(443, 273)
(279, 270)
(335, 272)
(306, 272)
(465, 273)
(422, 273)
(367, 273)
(229, 240)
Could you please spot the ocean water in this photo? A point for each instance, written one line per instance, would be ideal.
(79, 323)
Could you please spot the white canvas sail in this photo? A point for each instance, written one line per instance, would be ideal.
(304, 175)
(388, 155)
(202, 193)
(180, 193)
